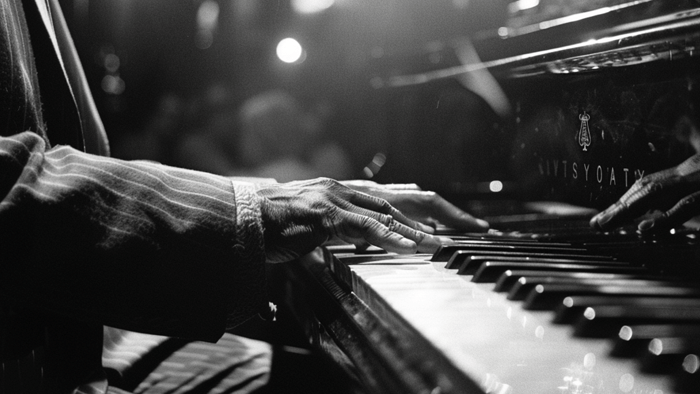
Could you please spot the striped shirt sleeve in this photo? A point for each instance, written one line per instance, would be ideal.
(132, 244)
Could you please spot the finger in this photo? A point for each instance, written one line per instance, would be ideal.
(427, 243)
(416, 225)
(364, 200)
(683, 211)
(452, 216)
(376, 204)
(611, 216)
(641, 197)
(402, 186)
(355, 227)
(387, 220)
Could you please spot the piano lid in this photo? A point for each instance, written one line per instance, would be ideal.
(599, 93)
(600, 97)
(613, 34)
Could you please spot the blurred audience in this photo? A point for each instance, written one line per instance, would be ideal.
(281, 140)
(271, 135)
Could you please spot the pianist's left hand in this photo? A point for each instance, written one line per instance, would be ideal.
(674, 194)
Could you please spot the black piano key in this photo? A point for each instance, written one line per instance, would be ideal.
(499, 239)
(607, 320)
(572, 307)
(523, 286)
(549, 296)
(367, 258)
(687, 380)
(510, 278)
(468, 263)
(445, 252)
(633, 340)
(458, 257)
(667, 354)
(490, 271)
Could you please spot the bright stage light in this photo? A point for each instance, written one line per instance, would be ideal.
(289, 50)
(496, 186)
(311, 6)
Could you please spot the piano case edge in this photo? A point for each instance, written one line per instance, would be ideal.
(384, 352)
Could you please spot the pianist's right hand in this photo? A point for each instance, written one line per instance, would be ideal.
(299, 216)
(424, 206)
(673, 194)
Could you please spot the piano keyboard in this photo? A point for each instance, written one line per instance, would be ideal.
(528, 316)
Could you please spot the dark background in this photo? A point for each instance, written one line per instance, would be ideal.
(158, 74)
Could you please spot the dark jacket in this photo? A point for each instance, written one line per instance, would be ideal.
(87, 240)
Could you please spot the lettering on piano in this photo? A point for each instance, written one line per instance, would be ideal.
(587, 172)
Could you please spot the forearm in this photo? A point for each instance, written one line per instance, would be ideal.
(133, 244)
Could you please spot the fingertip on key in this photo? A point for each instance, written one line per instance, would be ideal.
(483, 224)
(445, 240)
(430, 244)
(407, 246)
(425, 228)
(600, 221)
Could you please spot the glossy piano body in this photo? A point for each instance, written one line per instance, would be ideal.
(599, 97)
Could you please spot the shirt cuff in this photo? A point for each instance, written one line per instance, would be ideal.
(250, 285)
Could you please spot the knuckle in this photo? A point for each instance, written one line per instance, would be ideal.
(384, 203)
(328, 182)
(418, 236)
(429, 198)
(430, 195)
(366, 221)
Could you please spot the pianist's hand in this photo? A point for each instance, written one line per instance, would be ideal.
(424, 206)
(675, 192)
(299, 216)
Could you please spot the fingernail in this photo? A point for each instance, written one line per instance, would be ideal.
(646, 225)
(601, 219)
(446, 240)
(593, 222)
(429, 244)
(412, 249)
(425, 228)
(482, 223)
(431, 240)
(408, 244)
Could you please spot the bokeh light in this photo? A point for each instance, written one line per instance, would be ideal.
(289, 50)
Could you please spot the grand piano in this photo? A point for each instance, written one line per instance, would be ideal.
(600, 93)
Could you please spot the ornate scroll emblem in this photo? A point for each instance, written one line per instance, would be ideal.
(584, 133)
